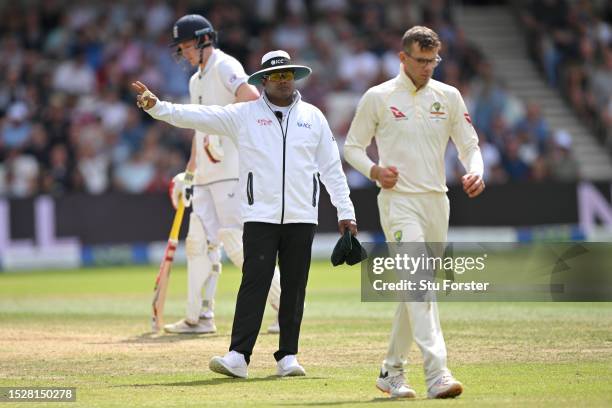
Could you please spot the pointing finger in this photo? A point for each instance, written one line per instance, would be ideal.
(137, 87)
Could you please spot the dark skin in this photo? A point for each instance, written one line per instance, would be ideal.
(280, 93)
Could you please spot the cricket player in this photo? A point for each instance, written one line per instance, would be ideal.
(211, 178)
(412, 118)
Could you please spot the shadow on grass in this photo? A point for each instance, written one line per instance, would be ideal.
(158, 338)
(373, 400)
(218, 381)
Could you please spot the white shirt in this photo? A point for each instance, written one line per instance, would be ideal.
(412, 128)
(279, 161)
(216, 84)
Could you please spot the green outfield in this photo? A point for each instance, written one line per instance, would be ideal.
(89, 329)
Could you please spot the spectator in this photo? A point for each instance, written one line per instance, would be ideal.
(135, 175)
(563, 166)
(74, 76)
(70, 67)
(534, 125)
(92, 169)
(566, 40)
(16, 129)
(57, 177)
(359, 68)
(22, 174)
(516, 168)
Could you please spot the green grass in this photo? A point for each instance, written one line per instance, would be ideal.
(89, 329)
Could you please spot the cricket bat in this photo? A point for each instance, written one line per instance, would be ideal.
(163, 276)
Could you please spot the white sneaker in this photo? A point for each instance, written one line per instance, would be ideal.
(208, 325)
(394, 385)
(274, 328)
(232, 364)
(445, 387)
(288, 366)
(184, 327)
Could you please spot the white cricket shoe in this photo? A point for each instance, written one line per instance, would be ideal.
(288, 366)
(208, 325)
(394, 385)
(274, 328)
(445, 387)
(184, 327)
(232, 364)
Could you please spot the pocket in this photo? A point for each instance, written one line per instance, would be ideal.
(315, 188)
(249, 189)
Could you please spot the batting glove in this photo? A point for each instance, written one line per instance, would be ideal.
(188, 188)
(214, 149)
(181, 188)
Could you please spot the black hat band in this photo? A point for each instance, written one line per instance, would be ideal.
(275, 62)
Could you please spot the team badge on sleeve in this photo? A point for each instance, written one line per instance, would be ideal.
(467, 118)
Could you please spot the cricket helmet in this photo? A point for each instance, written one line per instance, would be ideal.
(193, 27)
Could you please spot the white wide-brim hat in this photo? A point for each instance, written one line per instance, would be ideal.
(278, 60)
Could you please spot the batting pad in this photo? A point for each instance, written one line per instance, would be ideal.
(199, 267)
(232, 242)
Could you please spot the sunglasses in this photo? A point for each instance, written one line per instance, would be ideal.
(280, 76)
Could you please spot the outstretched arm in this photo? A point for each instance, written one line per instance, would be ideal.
(208, 119)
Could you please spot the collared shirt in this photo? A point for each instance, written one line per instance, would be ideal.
(412, 128)
(281, 161)
(216, 84)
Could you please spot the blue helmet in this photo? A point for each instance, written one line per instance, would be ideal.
(193, 27)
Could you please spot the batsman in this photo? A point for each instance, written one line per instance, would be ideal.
(210, 180)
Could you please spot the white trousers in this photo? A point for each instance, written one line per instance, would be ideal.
(415, 217)
(217, 205)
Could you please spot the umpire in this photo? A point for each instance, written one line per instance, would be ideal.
(285, 146)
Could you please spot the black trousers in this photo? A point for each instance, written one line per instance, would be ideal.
(262, 242)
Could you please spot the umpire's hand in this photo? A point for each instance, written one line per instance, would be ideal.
(145, 98)
(351, 225)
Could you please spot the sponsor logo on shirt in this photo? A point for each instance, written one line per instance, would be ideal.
(233, 78)
(437, 111)
(305, 125)
(397, 114)
(467, 118)
(264, 122)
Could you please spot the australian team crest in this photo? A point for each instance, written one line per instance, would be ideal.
(437, 111)
(398, 236)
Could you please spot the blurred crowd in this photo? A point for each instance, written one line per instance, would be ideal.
(68, 121)
(572, 43)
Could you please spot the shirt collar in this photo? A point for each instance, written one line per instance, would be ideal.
(405, 80)
(209, 63)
